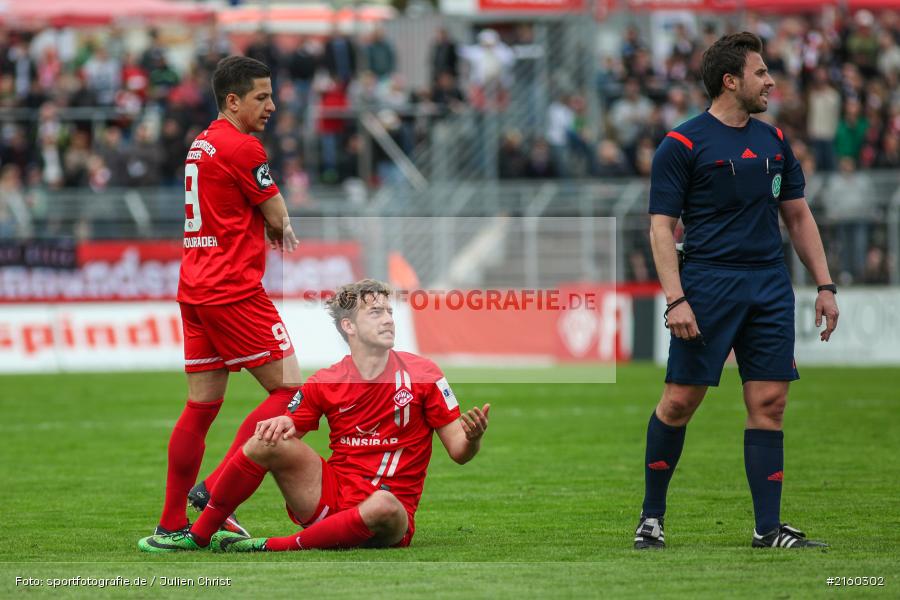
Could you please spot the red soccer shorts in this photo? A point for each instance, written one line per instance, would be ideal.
(339, 493)
(244, 334)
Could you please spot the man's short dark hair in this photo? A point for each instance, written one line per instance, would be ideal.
(727, 55)
(235, 75)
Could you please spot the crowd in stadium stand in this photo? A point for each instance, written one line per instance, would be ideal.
(837, 100)
(129, 87)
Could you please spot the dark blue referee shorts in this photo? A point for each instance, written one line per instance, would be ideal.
(750, 310)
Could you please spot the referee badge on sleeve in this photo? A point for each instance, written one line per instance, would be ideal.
(776, 185)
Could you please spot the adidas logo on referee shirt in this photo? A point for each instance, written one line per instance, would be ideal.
(748, 153)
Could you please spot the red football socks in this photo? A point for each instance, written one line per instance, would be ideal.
(186, 446)
(239, 479)
(273, 406)
(344, 530)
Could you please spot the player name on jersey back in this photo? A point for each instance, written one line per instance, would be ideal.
(200, 146)
(203, 241)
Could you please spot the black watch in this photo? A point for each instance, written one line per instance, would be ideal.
(828, 287)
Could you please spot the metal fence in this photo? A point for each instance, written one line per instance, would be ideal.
(862, 247)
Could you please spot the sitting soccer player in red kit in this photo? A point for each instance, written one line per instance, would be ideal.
(382, 407)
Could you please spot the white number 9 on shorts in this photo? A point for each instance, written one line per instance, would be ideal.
(281, 335)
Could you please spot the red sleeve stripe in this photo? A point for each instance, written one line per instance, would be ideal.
(780, 134)
(682, 139)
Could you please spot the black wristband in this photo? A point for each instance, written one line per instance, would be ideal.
(670, 306)
(675, 303)
(828, 287)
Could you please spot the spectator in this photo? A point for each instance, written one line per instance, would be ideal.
(849, 205)
(162, 79)
(340, 57)
(631, 45)
(862, 44)
(610, 161)
(172, 137)
(888, 55)
(446, 95)
(560, 121)
(364, 92)
(683, 45)
(490, 71)
(348, 168)
(295, 183)
(154, 54)
(264, 49)
(331, 126)
(143, 158)
(301, 66)
(512, 160)
(539, 165)
(15, 149)
(444, 58)
(50, 159)
(98, 175)
(643, 159)
(677, 109)
(135, 78)
(21, 67)
(790, 110)
(11, 197)
(851, 131)
(877, 269)
(112, 150)
(889, 156)
(49, 70)
(76, 157)
(380, 57)
(823, 117)
(628, 115)
(610, 78)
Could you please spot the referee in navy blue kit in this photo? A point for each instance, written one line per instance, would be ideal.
(728, 176)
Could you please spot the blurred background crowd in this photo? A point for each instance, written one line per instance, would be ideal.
(83, 110)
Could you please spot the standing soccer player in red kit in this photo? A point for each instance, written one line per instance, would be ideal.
(382, 408)
(231, 204)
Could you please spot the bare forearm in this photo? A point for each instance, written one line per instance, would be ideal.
(662, 242)
(465, 451)
(808, 244)
(275, 212)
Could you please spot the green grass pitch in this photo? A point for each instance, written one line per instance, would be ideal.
(547, 509)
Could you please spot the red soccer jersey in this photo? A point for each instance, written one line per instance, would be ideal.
(225, 176)
(380, 430)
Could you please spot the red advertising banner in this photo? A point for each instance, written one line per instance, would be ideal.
(542, 6)
(148, 270)
(583, 322)
(693, 5)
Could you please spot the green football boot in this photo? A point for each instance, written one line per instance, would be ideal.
(228, 541)
(169, 542)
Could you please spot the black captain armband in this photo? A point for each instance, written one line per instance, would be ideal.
(828, 287)
(670, 306)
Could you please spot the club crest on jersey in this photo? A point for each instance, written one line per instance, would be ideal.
(262, 176)
(295, 402)
(403, 397)
(776, 186)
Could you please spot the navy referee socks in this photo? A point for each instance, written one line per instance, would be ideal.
(764, 463)
(664, 445)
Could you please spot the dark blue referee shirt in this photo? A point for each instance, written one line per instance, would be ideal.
(725, 183)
